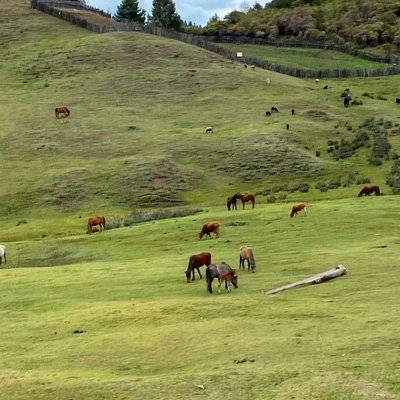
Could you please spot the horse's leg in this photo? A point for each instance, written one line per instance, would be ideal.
(243, 204)
(193, 276)
(248, 265)
(198, 271)
(219, 285)
(240, 262)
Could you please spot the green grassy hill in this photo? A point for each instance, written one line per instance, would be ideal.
(136, 139)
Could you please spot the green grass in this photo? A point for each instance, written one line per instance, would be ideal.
(305, 58)
(148, 334)
(136, 139)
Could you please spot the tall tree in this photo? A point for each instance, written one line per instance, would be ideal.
(129, 10)
(164, 14)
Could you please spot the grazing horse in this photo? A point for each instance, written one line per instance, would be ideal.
(3, 254)
(274, 109)
(293, 111)
(209, 129)
(368, 190)
(224, 273)
(297, 208)
(96, 221)
(346, 101)
(62, 112)
(231, 203)
(246, 254)
(195, 262)
(245, 198)
(398, 100)
(268, 113)
(208, 228)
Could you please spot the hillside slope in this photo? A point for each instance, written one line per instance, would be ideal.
(139, 107)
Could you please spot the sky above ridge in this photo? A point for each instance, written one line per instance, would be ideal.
(197, 11)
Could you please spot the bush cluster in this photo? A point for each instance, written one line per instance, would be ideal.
(336, 183)
(393, 179)
(140, 216)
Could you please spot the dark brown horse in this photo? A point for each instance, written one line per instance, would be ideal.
(245, 198)
(62, 112)
(195, 262)
(368, 190)
(297, 208)
(224, 273)
(231, 203)
(246, 254)
(209, 228)
(96, 221)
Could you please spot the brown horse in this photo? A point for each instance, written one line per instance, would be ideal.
(208, 228)
(245, 198)
(231, 203)
(298, 208)
(246, 254)
(195, 262)
(224, 273)
(96, 221)
(368, 190)
(62, 112)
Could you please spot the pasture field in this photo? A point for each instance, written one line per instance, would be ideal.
(139, 106)
(148, 334)
(110, 315)
(306, 58)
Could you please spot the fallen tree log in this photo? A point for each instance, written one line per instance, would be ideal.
(313, 280)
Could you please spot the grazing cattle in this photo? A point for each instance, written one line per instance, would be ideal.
(293, 111)
(62, 112)
(398, 100)
(268, 113)
(231, 203)
(268, 81)
(368, 190)
(246, 254)
(287, 127)
(326, 87)
(195, 262)
(209, 129)
(274, 109)
(3, 254)
(224, 273)
(96, 221)
(209, 228)
(245, 198)
(297, 208)
(346, 101)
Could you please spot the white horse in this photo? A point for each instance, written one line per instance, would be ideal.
(3, 254)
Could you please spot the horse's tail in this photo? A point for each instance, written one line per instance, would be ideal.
(68, 112)
(104, 222)
(252, 260)
(89, 227)
(292, 213)
(209, 280)
(254, 201)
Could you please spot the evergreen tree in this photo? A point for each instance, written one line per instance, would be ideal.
(129, 10)
(164, 14)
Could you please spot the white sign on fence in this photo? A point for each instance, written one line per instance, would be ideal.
(239, 54)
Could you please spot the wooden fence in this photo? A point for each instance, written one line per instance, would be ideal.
(211, 43)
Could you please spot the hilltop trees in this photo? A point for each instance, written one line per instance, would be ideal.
(164, 14)
(130, 11)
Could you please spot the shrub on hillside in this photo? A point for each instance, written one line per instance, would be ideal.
(302, 187)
